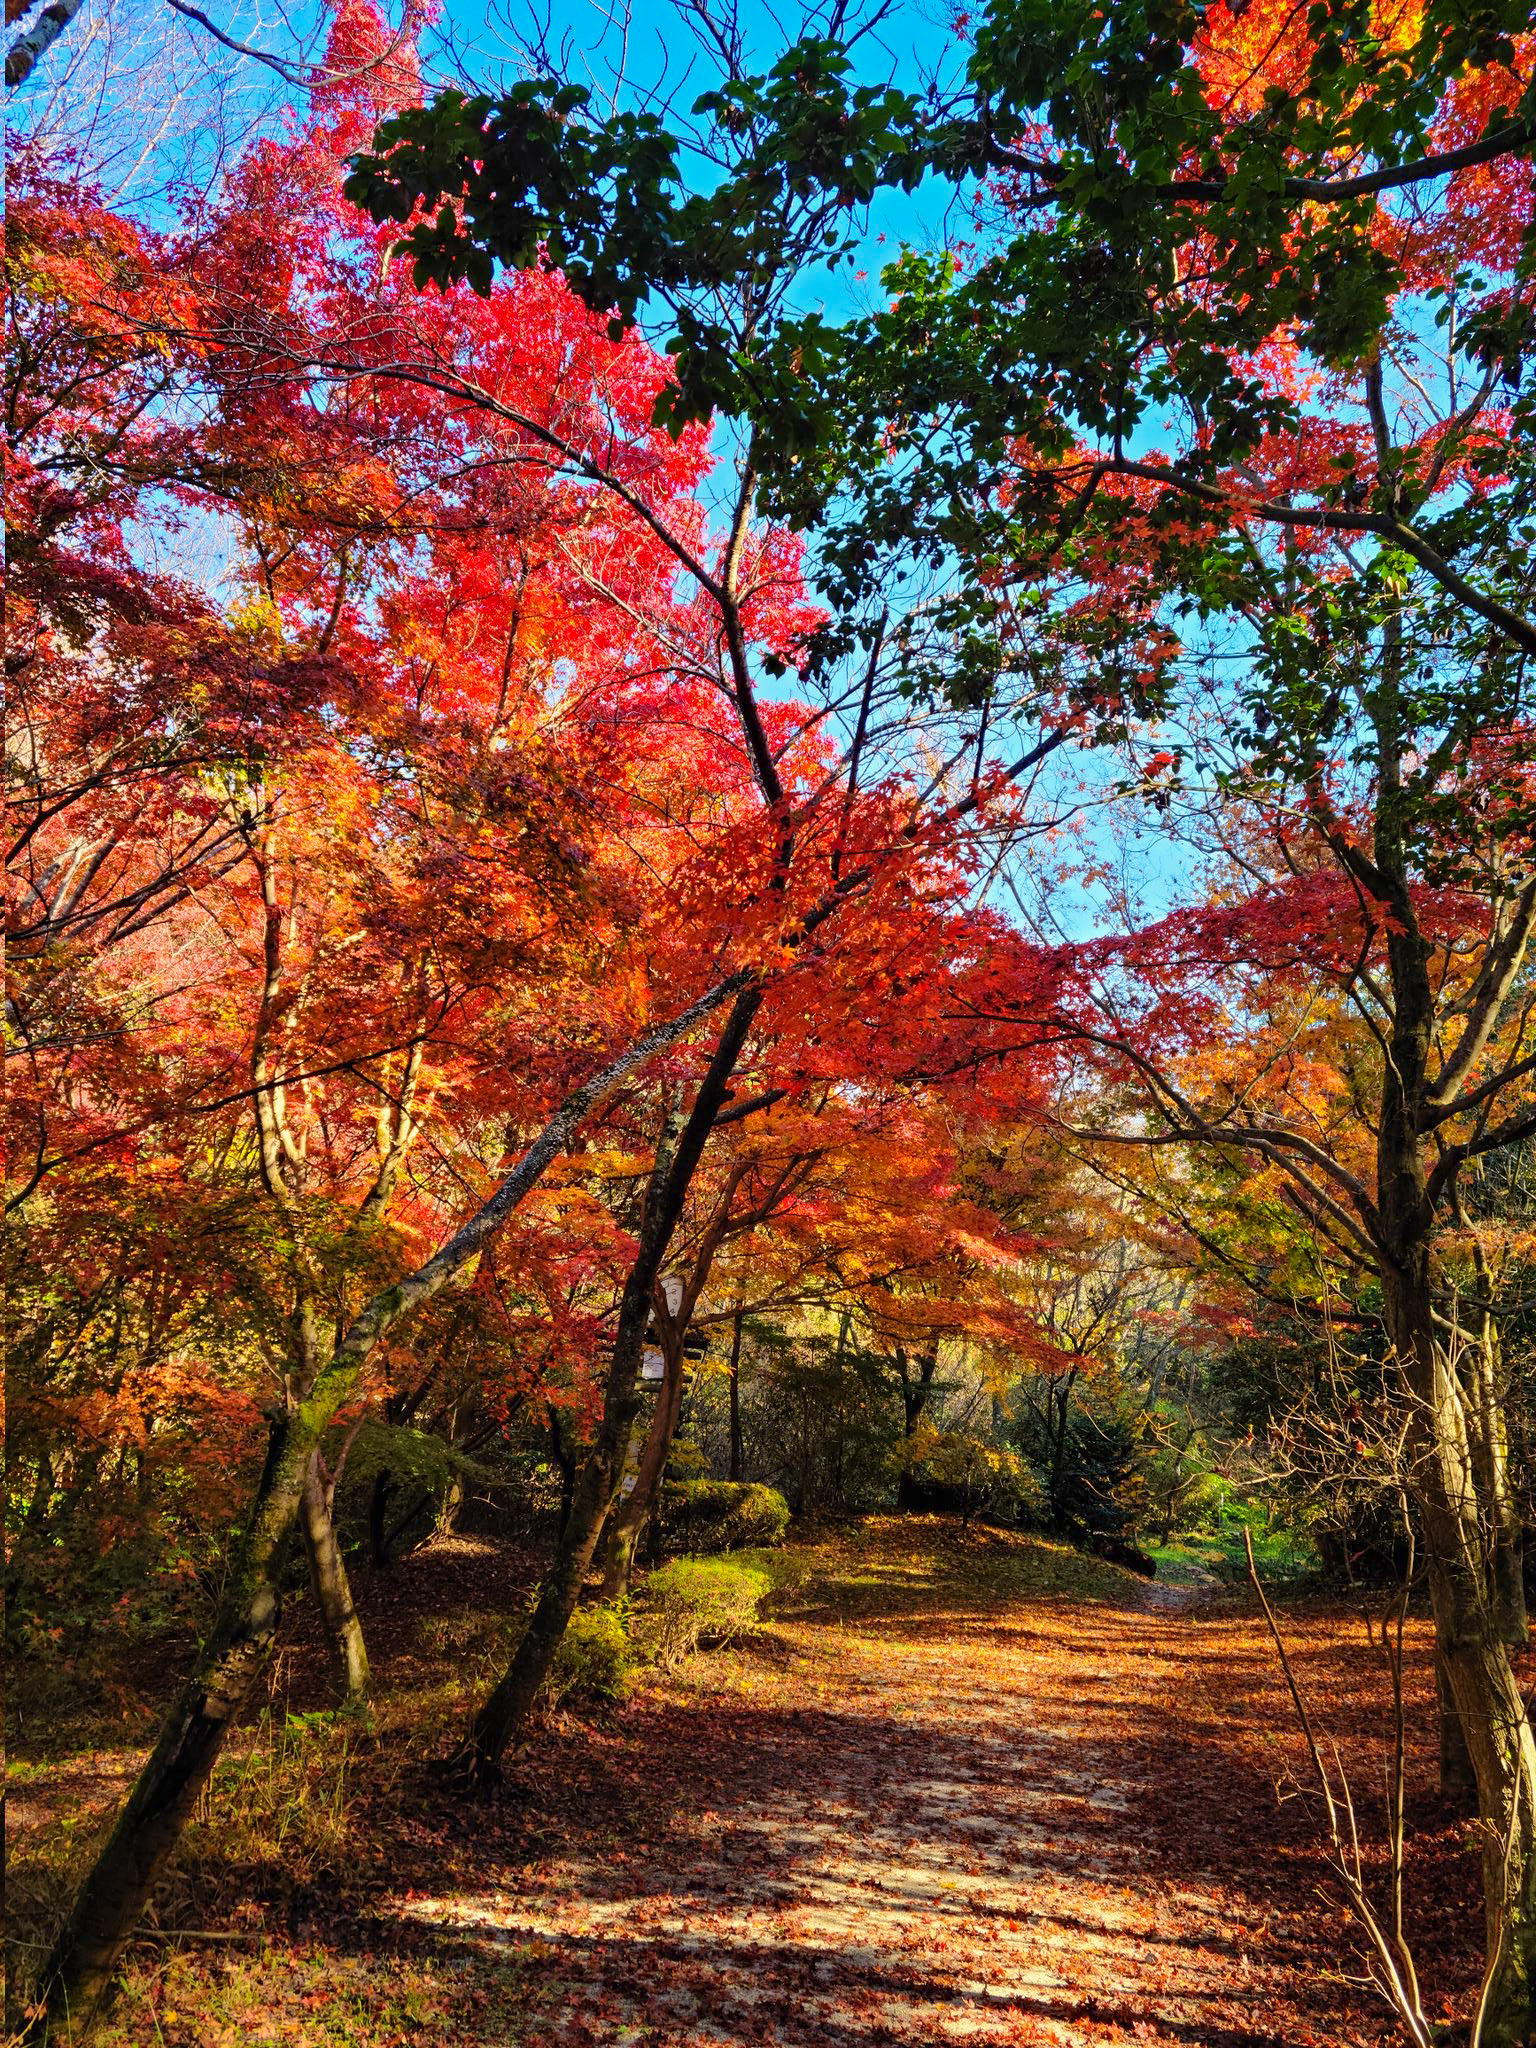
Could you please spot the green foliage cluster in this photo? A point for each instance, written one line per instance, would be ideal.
(594, 1666)
(1090, 1474)
(1283, 1551)
(976, 1475)
(408, 1455)
(685, 1605)
(820, 1419)
(722, 1514)
(694, 1601)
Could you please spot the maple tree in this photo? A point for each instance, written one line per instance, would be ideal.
(462, 813)
(1304, 238)
(524, 905)
(360, 855)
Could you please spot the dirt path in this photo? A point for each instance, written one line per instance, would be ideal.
(940, 1820)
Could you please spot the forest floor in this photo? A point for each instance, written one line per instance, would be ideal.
(963, 1787)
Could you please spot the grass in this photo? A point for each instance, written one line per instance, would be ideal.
(916, 1564)
(287, 1996)
(1281, 1557)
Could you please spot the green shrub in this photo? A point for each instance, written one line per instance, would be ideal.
(721, 1514)
(595, 1663)
(695, 1601)
(425, 1477)
(951, 1469)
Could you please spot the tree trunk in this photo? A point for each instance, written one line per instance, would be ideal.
(510, 1701)
(1060, 1398)
(626, 1523)
(508, 1704)
(1474, 1658)
(1455, 1522)
(735, 1394)
(1490, 1449)
(450, 1507)
(1458, 1781)
(332, 1588)
(78, 1973)
(75, 1979)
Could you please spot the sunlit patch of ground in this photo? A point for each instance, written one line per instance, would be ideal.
(963, 1788)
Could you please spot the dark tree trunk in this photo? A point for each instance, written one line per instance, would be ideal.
(1455, 1521)
(1490, 1448)
(1474, 1658)
(1059, 1396)
(510, 1701)
(626, 1524)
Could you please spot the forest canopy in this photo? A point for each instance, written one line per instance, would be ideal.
(691, 860)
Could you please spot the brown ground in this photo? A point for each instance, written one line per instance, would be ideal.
(962, 1789)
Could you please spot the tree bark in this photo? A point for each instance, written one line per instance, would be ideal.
(627, 1522)
(1454, 1520)
(507, 1706)
(332, 1588)
(75, 1979)
(1458, 1781)
(1059, 1397)
(34, 41)
(450, 1507)
(1474, 1658)
(1490, 1446)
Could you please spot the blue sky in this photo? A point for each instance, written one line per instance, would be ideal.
(153, 93)
(654, 52)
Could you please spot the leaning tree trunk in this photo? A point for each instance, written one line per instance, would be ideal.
(79, 1969)
(332, 1588)
(76, 1977)
(510, 1701)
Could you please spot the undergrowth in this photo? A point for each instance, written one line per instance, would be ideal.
(697, 1600)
